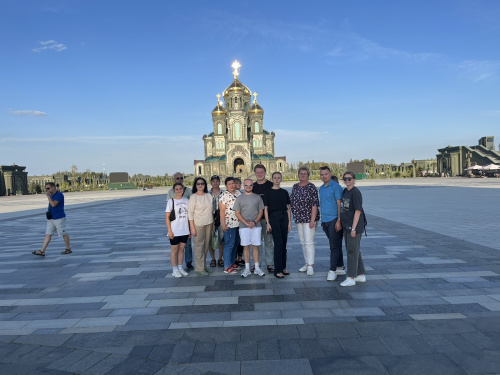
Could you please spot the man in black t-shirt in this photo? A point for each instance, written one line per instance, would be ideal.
(260, 186)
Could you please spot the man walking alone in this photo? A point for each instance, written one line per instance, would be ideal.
(56, 219)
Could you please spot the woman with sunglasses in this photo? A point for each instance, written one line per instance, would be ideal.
(201, 218)
(352, 218)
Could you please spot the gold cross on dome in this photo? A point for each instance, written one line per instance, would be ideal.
(218, 98)
(236, 65)
(255, 99)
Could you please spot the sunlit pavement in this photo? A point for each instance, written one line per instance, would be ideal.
(431, 303)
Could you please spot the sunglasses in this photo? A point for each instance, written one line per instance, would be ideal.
(248, 185)
(47, 188)
(347, 179)
(179, 178)
(200, 183)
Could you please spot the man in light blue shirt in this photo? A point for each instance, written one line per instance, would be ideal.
(330, 196)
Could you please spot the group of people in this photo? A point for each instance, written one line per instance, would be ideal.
(238, 218)
(259, 217)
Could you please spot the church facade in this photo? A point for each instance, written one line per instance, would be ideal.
(238, 140)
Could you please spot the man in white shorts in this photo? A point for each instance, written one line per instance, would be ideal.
(249, 209)
(56, 219)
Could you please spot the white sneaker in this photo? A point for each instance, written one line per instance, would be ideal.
(183, 272)
(331, 276)
(303, 269)
(348, 282)
(176, 273)
(360, 279)
(258, 271)
(245, 273)
(310, 271)
(340, 271)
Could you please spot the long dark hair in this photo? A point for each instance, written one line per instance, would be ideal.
(195, 189)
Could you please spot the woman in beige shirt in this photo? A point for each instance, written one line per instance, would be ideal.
(201, 218)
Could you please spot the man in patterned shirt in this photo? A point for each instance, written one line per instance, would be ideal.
(229, 223)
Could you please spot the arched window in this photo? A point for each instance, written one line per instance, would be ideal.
(257, 127)
(219, 128)
(199, 170)
(237, 130)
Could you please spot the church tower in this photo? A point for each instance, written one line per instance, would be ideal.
(238, 141)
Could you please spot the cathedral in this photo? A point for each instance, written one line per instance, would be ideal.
(238, 140)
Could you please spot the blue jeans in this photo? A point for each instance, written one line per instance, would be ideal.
(231, 241)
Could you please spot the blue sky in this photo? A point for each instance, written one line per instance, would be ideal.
(132, 83)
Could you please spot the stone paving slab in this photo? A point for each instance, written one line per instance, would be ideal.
(431, 303)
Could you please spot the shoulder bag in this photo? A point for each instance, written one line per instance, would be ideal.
(172, 211)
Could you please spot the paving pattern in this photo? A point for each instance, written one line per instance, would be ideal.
(431, 303)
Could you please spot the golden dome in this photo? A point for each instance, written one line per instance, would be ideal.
(219, 109)
(237, 86)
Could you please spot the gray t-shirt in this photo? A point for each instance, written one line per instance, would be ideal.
(249, 206)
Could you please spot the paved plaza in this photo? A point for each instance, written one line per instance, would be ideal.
(431, 303)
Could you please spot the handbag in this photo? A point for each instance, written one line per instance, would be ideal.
(172, 211)
(49, 215)
(214, 239)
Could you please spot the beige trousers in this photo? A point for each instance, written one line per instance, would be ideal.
(201, 244)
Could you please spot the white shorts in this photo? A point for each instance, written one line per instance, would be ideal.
(56, 226)
(250, 236)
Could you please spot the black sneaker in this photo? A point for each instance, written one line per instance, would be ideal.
(189, 266)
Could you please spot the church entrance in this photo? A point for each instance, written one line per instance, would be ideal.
(239, 165)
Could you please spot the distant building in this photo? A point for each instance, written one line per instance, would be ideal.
(13, 180)
(454, 160)
(120, 181)
(238, 141)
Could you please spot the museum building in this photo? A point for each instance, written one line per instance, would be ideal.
(238, 140)
(454, 160)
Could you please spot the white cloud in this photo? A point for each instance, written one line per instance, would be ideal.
(51, 45)
(360, 48)
(491, 113)
(28, 112)
(479, 70)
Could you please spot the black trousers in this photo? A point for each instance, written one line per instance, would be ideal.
(335, 239)
(279, 225)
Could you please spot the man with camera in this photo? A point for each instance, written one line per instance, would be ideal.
(56, 219)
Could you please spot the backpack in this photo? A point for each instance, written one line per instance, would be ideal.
(365, 222)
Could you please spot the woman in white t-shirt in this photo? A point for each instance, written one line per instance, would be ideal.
(178, 229)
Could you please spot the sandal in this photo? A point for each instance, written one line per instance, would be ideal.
(212, 263)
(286, 273)
(67, 251)
(270, 269)
(39, 253)
(279, 276)
(221, 263)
